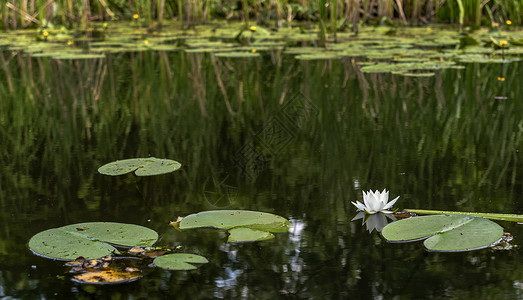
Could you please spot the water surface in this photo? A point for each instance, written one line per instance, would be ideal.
(298, 138)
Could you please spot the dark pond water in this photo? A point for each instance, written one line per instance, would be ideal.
(300, 139)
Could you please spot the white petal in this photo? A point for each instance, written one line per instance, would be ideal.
(373, 202)
(384, 197)
(391, 203)
(366, 199)
(359, 205)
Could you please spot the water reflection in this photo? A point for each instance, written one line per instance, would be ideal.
(442, 141)
(374, 221)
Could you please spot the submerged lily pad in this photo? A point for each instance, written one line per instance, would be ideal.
(140, 166)
(89, 240)
(448, 233)
(179, 261)
(243, 234)
(243, 225)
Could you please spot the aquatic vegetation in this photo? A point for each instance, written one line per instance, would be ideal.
(492, 216)
(89, 240)
(337, 17)
(446, 233)
(91, 250)
(410, 49)
(242, 225)
(376, 202)
(179, 261)
(149, 166)
(237, 54)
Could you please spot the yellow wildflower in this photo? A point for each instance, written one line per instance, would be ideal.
(509, 22)
(136, 16)
(146, 42)
(252, 28)
(501, 78)
(69, 43)
(253, 50)
(503, 43)
(45, 33)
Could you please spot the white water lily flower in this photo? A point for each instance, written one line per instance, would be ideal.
(375, 202)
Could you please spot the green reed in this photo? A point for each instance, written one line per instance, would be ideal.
(21, 14)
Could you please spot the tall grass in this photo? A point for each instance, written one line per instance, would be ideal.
(21, 14)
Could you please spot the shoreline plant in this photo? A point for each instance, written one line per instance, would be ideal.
(336, 15)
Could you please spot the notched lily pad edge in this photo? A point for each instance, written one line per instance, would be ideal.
(427, 238)
(140, 166)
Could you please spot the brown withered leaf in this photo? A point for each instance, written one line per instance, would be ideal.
(107, 277)
(136, 251)
(155, 254)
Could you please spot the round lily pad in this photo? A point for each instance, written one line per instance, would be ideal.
(140, 166)
(237, 54)
(179, 261)
(227, 219)
(449, 233)
(89, 240)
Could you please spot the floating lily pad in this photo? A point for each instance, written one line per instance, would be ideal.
(179, 261)
(243, 225)
(237, 54)
(320, 55)
(449, 233)
(227, 219)
(413, 74)
(89, 240)
(140, 166)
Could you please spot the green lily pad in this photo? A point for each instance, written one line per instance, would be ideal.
(140, 166)
(242, 225)
(448, 233)
(179, 261)
(237, 54)
(89, 240)
(412, 74)
(227, 219)
(243, 234)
